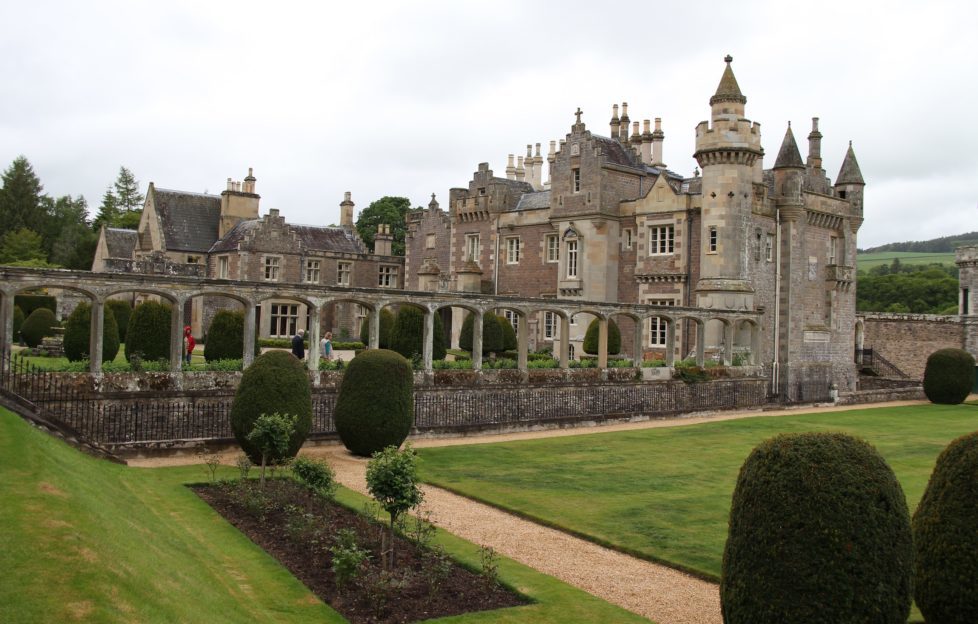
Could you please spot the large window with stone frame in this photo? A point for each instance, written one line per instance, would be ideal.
(513, 318)
(553, 248)
(283, 319)
(659, 327)
(273, 268)
(343, 271)
(572, 259)
(223, 263)
(662, 240)
(551, 327)
(473, 249)
(513, 250)
(387, 276)
(833, 250)
(360, 317)
(312, 271)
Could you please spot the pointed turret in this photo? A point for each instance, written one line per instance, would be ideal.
(433, 204)
(728, 90)
(850, 173)
(789, 157)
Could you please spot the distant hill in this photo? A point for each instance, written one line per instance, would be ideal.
(946, 244)
(866, 260)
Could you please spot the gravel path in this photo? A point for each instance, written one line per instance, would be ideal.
(657, 592)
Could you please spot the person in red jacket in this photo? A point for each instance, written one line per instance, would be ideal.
(188, 343)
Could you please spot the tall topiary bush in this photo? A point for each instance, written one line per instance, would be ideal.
(819, 532)
(37, 325)
(149, 332)
(945, 533)
(386, 329)
(407, 336)
(591, 338)
(492, 334)
(78, 329)
(18, 320)
(375, 405)
(121, 310)
(949, 376)
(276, 382)
(225, 336)
(510, 342)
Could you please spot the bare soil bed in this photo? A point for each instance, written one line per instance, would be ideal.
(299, 528)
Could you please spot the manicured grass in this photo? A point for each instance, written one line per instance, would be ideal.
(85, 540)
(664, 494)
(866, 261)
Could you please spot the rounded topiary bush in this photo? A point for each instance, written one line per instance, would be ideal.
(386, 328)
(18, 320)
(225, 336)
(375, 406)
(591, 338)
(819, 532)
(492, 334)
(949, 376)
(510, 342)
(121, 310)
(149, 332)
(407, 335)
(39, 324)
(78, 329)
(275, 382)
(945, 533)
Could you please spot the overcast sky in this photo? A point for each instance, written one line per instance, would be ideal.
(406, 98)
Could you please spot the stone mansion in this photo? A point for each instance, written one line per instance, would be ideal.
(610, 224)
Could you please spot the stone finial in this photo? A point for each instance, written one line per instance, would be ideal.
(578, 113)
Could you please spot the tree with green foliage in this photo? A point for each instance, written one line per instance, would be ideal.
(275, 382)
(127, 191)
(388, 210)
(225, 336)
(270, 435)
(392, 479)
(78, 329)
(921, 289)
(492, 334)
(510, 341)
(121, 310)
(37, 325)
(22, 246)
(949, 376)
(591, 338)
(30, 302)
(108, 211)
(375, 403)
(68, 236)
(945, 535)
(20, 197)
(386, 329)
(148, 332)
(407, 335)
(819, 531)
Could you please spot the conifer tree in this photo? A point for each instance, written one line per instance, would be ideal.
(108, 212)
(20, 197)
(127, 191)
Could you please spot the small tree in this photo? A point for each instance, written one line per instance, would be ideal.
(492, 334)
(591, 338)
(392, 479)
(225, 337)
(121, 310)
(271, 435)
(78, 330)
(149, 331)
(386, 329)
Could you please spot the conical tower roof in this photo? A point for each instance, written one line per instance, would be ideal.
(850, 173)
(789, 156)
(728, 90)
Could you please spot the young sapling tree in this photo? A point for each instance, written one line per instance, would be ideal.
(271, 435)
(392, 479)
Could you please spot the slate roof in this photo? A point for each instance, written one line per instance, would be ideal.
(120, 242)
(614, 152)
(533, 201)
(190, 220)
(789, 156)
(850, 173)
(313, 238)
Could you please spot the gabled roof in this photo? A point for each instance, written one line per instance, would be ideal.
(850, 173)
(120, 242)
(190, 220)
(788, 155)
(728, 90)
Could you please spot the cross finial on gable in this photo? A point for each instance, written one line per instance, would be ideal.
(579, 113)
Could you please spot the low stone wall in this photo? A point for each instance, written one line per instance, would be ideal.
(882, 395)
(907, 339)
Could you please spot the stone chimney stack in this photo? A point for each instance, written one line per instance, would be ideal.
(238, 203)
(815, 146)
(346, 211)
(383, 240)
(615, 122)
(529, 163)
(551, 159)
(646, 142)
(520, 171)
(510, 169)
(623, 132)
(537, 180)
(657, 137)
(249, 182)
(636, 136)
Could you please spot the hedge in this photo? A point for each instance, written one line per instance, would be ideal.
(386, 329)
(121, 310)
(78, 329)
(591, 338)
(29, 303)
(375, 405)
(37, 325)
(149, 332)
(949, 376)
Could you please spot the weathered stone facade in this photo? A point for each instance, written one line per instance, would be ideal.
(906, 340)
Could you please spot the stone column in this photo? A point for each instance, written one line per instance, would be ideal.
(477, 340)
(522, 342)
(313, 332)
(565, 342)
(728, 343)
(7, 331)
(248, 353)
(95, 334)
(374, 320)
(602, 343)
(427, 340)
(700, 343)
(671, 343)
(176, 334)
(637, 342)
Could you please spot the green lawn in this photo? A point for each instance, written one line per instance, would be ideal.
(664, 494)
(866, 261)
(85, 540)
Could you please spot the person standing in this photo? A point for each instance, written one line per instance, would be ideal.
(188, 344)
(326, 346)
(298, 348)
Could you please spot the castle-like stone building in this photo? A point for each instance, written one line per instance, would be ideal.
(614, 224)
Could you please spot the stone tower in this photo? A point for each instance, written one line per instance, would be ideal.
(346, 210)
(239, 202)
(727, 148)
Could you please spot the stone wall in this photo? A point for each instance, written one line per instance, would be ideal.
(907, 339)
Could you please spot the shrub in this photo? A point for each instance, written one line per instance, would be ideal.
(492, 334)
(225, 336)
(18, 320)
(270, 435)
(509, 334)
(408, 332)
(275, 382)
(945, 532)
(150, 332)
(819, 532)
(591, 338)
(386, 327)
(78, 331)
(949, 376)
(29, 303)
(121, 310)
(375, 404)
(316, 474)
(39, 324)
